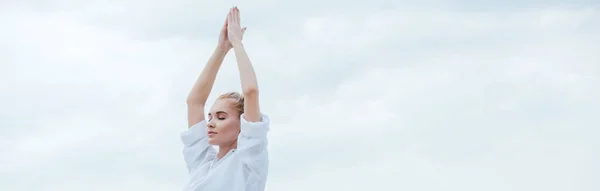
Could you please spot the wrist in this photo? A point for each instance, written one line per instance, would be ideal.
(237, 45)
(222, 49)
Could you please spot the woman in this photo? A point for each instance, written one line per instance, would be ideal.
(235, 124)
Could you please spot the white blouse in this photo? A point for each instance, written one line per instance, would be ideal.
(242, 169)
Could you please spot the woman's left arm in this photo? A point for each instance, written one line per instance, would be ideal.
(247, 75)
(252, 142)
(249, 84)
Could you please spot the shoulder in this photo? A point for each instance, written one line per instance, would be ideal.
(259, 128)
(194, 133)
(264, 120)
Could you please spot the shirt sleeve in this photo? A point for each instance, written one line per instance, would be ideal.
(197, 153)
(252, 144)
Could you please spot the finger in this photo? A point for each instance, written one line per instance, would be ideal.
(243, 32)
(227, 18)
(237, 15)
(230, 16)
(233, 14)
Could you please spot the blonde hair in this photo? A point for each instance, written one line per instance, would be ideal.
(238, 100)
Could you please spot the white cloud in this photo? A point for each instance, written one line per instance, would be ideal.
(361, 97)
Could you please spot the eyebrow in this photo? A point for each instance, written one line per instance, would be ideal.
(219, 112)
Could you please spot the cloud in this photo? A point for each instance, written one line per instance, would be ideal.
(410, 97)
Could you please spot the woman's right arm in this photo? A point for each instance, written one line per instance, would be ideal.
(197, 97)
(196, 151)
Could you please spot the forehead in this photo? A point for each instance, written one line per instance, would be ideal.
(225, 105)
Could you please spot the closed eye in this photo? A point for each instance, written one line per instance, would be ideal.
(221, 115)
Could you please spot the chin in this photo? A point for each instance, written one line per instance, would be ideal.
(212, 141)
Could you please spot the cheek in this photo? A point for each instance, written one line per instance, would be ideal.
(229, 127)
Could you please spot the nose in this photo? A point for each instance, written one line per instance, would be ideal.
(210, 125)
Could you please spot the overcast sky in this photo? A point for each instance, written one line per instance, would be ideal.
(453, 95)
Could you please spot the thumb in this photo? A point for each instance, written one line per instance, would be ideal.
(244, 30)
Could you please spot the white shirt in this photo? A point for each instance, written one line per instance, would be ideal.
(242, 169)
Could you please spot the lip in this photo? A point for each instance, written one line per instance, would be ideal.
(211, 133)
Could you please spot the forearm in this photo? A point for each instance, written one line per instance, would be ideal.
(249, 84)
(203, 85)
(247, 75)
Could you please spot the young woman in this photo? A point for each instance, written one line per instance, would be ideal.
(235, 124)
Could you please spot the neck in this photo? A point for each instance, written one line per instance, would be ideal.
(224, 149)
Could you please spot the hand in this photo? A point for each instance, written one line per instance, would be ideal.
(234, 31)
(224, 36)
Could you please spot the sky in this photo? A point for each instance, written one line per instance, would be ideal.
(453, 95)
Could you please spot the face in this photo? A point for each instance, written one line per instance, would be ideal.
(223, 123)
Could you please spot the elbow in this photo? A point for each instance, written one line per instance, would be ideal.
(191, 100)
(250, 91)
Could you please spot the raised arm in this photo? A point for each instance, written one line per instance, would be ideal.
(252, 141)
(247, 75)
(197, 97)
(196, 151)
